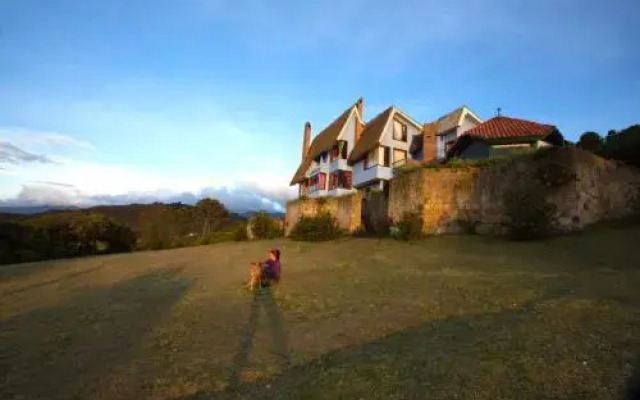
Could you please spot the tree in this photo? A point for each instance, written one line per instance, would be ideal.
(624, 145)
(590, 141)
(157, 227)
(212, 215)
(264, 227)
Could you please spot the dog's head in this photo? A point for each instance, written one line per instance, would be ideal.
(255, 267)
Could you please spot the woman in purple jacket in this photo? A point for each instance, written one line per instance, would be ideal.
(271, 268)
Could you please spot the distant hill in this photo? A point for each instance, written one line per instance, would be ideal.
(125, 214)
(26, 210)
(249, 214)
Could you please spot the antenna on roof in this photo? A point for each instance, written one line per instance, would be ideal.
(498, 111)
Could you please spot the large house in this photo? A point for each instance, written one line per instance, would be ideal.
(350, 155)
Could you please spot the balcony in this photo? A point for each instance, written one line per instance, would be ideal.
(375, 172)
(339, 163)
(339, 192)
(317, 193)
(317, 168)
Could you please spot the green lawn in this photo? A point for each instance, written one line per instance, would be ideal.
(444, 318)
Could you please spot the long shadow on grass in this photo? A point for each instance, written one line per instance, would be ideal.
(632, 391)
(62, 352)
(452, 358)
(262, 298)
(56, 280)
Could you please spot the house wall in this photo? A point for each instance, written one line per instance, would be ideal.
(603, 190)
(442, 140)
(349, 132)
(387, 137)
(475, 151)
(467, 123)
(326, 166)
(346, 209)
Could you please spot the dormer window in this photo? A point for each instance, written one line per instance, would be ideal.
(399, 131)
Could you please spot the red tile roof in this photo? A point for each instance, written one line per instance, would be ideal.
(507, 128)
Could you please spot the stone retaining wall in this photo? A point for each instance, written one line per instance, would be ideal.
(346, 210)
(602, 190)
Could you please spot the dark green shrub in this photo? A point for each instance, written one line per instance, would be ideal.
(240, 232)
(265, 227)
(409, 227)
(321, 227)
(530, 214)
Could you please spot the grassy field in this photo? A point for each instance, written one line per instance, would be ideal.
(444, 318)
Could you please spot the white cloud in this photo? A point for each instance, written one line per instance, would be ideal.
(236, 198)
(12, 154)
(81, 183)
(56, 139)
(32, 137)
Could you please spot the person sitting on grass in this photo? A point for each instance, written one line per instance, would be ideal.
(271, 268)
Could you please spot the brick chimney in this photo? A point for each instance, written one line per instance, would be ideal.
(429, 141)
(306, 141)
(359, 126)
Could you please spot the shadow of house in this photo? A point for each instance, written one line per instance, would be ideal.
(62, 352)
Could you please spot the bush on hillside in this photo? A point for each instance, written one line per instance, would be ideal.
(240, 232)
(409, 227)
(321, 227)
(265, 227)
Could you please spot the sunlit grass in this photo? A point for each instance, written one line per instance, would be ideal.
(450, 317)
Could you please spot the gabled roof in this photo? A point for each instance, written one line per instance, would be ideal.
(373, 131)
(454, 118)
(507, 128)
(504, 130)
(370, 135)
(322, 142)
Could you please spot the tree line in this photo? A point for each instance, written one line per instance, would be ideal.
(623, 145)
(116, 229)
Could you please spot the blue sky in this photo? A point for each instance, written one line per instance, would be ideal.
(131, 100)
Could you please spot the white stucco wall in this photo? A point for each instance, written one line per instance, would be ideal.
(387, 137)
(349, 132)
(467, 123)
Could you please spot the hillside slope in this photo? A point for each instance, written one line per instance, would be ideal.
(449, 317)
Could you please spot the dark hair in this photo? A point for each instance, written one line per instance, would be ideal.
(276, 253)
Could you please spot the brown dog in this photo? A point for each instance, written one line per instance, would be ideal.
(255, 276)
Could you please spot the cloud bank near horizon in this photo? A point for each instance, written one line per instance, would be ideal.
(239, 198)
(33, 179)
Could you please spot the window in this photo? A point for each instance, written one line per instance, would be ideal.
(372, 159)
(399, 131)
(340, 179)
(399, 157)
(321, 181)
(386, 156)
(342, 145)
